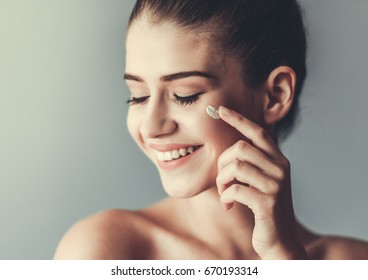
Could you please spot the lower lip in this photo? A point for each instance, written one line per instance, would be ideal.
(173, 164)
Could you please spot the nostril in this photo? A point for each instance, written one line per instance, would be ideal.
(153, 128)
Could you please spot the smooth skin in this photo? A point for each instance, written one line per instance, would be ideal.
(157, 232)
(266, 172)
(232, 198)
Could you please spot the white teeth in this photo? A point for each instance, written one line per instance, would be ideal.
(160, 156)
(174, 154)
(183, 152)
(167, 156)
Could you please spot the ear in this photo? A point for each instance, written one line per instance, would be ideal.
(278, 94)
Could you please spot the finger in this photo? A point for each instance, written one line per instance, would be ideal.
(245, 173)
(259, 137)
(250, 197)
(244, 151)
(228, 206)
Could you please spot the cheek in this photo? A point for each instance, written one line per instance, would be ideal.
(221, 135)
(216, 134)
(133, 125)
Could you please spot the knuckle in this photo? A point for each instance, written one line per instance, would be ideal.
(242, 145)
(238, 163)
(238, 117)
(261, 132)
(235, 189)
(280, 173)
(273, 186)
(240, 166)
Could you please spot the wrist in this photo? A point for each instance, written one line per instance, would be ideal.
(298, 252)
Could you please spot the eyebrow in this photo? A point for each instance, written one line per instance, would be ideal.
(173, 77)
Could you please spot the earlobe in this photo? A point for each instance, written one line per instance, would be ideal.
(279, 94)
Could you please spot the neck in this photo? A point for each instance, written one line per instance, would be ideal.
(208, 220)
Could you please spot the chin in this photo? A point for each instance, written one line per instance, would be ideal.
(178, 189)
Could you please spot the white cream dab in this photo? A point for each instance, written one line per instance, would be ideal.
(213, 112)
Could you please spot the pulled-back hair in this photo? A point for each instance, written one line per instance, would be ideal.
(261, 34)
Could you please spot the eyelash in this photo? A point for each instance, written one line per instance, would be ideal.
(137, 100)
(182, 100)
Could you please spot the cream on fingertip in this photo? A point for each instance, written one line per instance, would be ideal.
(213, 112)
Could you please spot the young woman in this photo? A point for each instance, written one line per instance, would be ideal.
(228, 183)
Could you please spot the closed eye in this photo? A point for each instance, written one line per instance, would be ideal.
(187, 100)
(182, 100)
(137, 100)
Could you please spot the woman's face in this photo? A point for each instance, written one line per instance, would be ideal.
(173, 76)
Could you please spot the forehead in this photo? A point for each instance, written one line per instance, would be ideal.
(167, 48)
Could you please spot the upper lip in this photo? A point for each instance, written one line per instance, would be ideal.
(170, 147)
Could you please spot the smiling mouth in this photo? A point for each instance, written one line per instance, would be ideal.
(175, 154)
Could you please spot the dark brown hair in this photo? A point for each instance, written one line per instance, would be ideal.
(262, 34)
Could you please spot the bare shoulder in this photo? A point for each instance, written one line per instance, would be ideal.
(111, 234)
(339, 248)
(343, 248)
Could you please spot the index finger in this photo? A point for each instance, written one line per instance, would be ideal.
(257, 134)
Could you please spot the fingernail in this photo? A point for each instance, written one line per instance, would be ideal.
(230, 205)
(213, 112)
(227, 206)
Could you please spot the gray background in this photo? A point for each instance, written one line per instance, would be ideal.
(65, 152)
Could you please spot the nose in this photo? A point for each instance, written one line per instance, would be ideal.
(157, 121)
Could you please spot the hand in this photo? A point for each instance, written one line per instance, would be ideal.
(258, 176)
